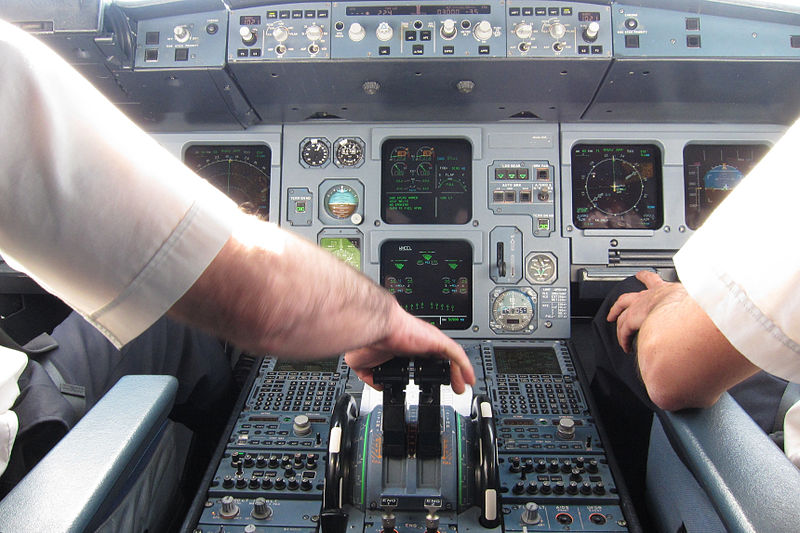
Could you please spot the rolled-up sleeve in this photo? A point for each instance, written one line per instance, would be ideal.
(91, 207)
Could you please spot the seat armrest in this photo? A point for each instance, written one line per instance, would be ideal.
(92, 462)
(750, 482)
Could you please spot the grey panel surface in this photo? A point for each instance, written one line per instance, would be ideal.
(86, 466)
(521, 142)
(719, 445)
(201, 37)
(669, 33)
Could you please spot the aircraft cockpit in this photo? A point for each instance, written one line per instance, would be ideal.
(498, 166)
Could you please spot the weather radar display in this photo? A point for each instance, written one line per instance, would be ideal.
(617, 186)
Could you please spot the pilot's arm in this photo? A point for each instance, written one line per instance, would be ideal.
(100, 215)
(737, 308)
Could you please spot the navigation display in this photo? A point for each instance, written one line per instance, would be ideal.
(430, 279)
(426, 181)
(539, 360)
(240, 171)
(710, 172)
(617, 186)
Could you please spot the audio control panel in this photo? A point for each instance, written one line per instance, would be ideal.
(403, 29)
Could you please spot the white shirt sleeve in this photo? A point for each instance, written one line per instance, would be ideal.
(91, 207)
(743, 265)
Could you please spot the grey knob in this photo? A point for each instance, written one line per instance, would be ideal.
(248, 36)
(182, 33)
(356, 32)
(523, 30)
(449, 29)
(483, 30)
(301, 426)
(261, 511)
(229, 507)
(566, 428)
(281, 33)
(314, 32)
(384, 32)
(590, 32)
(558, 30)
(531, 513)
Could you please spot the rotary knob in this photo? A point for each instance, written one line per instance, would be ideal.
(590, 32)
(356, 32)
(248, 36)
(483, 30)
(281, 33)
(449, 29)
(261, 511)
(314, 32)
(530, 514)
(384, 32)
(523, 30)
(557, 30)
(566, 429)
(229, 507)
(301, 426)
(182, 33)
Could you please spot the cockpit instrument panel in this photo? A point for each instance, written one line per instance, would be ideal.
(617, 186)
(426, 181)
(431, 279)
(710, 172)
(242, 171)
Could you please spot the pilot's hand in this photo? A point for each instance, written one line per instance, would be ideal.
(631, 309)
(410, 336)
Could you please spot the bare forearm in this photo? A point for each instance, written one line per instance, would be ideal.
(270, 291)
(684, 359)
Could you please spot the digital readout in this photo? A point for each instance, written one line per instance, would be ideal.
(588, 16)
(426, 181)
(455, 9)
(250, 20)
(533, 360)
(322, 365)
(430, 279)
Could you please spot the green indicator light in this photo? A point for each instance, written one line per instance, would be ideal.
(399, 266)
(427, 257)
(523, 174)
(453, 265)
(301, 208)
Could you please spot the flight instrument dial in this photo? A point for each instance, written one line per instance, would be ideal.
(540, 268)
(513, 310)
(315, 152)
(348, 152)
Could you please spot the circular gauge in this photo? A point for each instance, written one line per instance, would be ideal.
(425, 153)
(398, 169)
(540, 268)
(514, 310)
(424, 169)
(315, 152)
(240, 171)
(400, 153)
(614, 186)
(341, 201)
(349, 152)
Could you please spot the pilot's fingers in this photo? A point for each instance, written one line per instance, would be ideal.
(649, 278)
(625, 332)
(622, 303)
